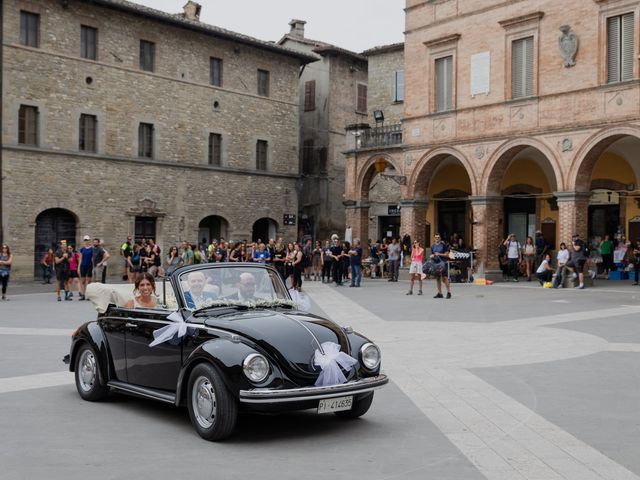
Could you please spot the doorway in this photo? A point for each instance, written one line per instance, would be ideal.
(389, 227)
(452, 218)
(520, 214)
(52, 226)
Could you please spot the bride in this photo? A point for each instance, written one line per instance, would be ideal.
(145, 292)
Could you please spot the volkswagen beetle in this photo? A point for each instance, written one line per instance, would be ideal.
(225, 338)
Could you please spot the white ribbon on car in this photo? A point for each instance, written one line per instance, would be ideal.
(302, 301)
(164, 334)
(330, 362)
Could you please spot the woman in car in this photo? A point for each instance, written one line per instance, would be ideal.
(145, 292)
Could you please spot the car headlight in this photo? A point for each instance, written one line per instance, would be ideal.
(370, 355)
(255, 367)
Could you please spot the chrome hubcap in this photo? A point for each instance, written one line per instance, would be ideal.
(203, 400)
(87, 370)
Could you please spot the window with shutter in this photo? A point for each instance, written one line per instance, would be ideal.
(147, 55)
(87, 133)
(398, 86)
(361, 104)
(145, 140)
(28, 125)
(88, 42)
(620, 48)
(444, 84)
(215, 149)
(263, 83)
(215, 72)
(262, 147)
(522, 68)
(29, 29)
(310, 95)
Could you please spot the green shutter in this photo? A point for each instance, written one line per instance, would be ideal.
(444, 84)
(613, 49)
(627, 49)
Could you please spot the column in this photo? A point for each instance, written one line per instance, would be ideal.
(413, 218)
(573, 215)
(357, 217)
(488, 229)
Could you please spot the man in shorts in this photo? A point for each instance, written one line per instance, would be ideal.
(577, 260)
(440, 253)
(63, 270)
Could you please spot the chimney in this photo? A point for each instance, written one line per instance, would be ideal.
(192, 11)
(297, 28)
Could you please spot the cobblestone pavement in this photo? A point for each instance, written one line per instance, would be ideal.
(500, 382)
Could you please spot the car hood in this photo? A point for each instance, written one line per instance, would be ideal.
(290, 338)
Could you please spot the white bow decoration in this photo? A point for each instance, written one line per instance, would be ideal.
(302, 301)
(330, 362)
(165, 334)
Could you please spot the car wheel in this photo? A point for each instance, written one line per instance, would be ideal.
(212, 409)
(89, 382)
(360, 407)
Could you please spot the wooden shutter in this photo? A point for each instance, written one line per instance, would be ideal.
(627, 47)
(361, 105)
(145, 140)
(87, 133)
(263, 83)
(310, 95)
(398, 86)
(88, 42)
(215, 149)
(29, 29)
(613, 49)
(28, 125)
(147, 55)
(215, 72)
(261, 155)
(522, 68)
(444, 84)
(308, 166)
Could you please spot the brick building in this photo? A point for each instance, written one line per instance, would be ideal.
(333, 93)
(123, 120)
(530, 122)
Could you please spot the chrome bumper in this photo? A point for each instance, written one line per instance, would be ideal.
(269, 395)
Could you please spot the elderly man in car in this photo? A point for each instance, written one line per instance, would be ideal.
(196, 296)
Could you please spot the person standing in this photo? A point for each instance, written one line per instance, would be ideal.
(74, 272)
(606, 250)
(173, 261)
(279, 259)
(514, 255)
(529, 254)
(99, 261)
(355, 262)
(440, 253)
(562, 258)
(261, 255)
(62, 270)
(326, 262)
(296, 260)
(393, 250)
(47, 266)
(86, 265)
(6, 260)
(577, 260)
(316, 261)
(415, 269)
(542, 247)
(135, 264)
(187, 254)
(336, 258)
(635, 257)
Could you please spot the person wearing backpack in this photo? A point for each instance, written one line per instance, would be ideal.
(514, 255)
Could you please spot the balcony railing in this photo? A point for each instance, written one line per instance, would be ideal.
(381, 136)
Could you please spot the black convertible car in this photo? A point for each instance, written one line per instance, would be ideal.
(223, 338)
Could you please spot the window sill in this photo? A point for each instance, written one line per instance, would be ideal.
(523, 100)
(444, 113)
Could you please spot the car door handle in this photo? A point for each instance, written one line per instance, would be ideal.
(130, 325)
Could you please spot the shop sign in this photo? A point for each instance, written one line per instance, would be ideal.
(393, 210)
(289, 219)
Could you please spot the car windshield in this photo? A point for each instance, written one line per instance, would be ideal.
(242, 285)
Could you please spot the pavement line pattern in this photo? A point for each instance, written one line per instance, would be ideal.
(504, 439)
(51, 332)
(40, 380)
(624, 347)
(573, 317)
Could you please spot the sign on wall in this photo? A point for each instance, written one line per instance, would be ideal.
(480, 73)
(393, 210)
(289, 219)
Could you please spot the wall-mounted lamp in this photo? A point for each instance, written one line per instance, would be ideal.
(378, 116)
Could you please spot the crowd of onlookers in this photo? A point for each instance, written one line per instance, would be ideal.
(535, 259)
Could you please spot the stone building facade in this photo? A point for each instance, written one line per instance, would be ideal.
(328, 89)
(531, 122)
(123, 120)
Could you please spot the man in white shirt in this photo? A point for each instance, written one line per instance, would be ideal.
(562, 258)
(514, 255)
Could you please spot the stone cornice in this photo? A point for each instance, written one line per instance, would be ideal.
(517, 21)
(438, 42)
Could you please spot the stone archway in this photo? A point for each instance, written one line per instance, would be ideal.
(52, 225)
(212, 227)
(264, 229)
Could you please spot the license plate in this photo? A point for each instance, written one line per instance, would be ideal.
(337, 404)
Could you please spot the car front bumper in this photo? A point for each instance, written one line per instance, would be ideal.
(292, 395)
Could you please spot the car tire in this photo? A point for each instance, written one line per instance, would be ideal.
(360, 407)
(212, 409)
(89, 381)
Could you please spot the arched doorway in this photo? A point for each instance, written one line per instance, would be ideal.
(446, 182)
(525, 177)
(212, 227)
(609, 168)
(52, 226)
(264, 229)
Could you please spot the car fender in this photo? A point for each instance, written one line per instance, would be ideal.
(227, 355)
(92, 334)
